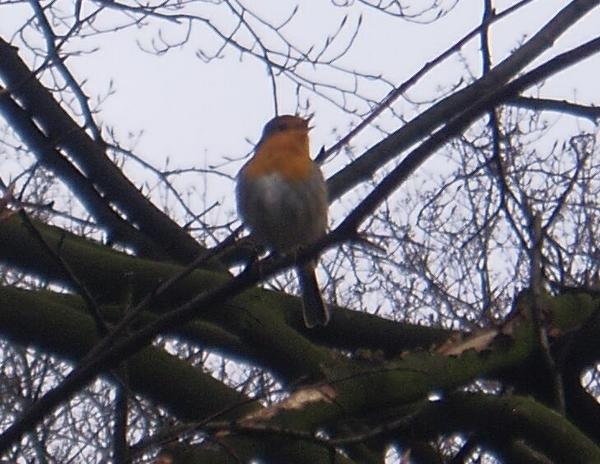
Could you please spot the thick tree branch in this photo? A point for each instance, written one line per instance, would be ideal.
(406, 85)
(500, 418)
(114, 274)
(91, 158)
(40, 319)
(363, 168)
(401, 382)
(117, 228)
(452, 129)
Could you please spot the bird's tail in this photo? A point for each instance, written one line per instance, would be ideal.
(315, 310)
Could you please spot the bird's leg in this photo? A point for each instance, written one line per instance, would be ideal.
(255, 264)
(250, 251)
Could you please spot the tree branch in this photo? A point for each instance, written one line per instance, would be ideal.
(90, 156)
(562, 106)
(363, 168)
(117, 228)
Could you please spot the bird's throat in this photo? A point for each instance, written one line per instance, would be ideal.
(286, 153)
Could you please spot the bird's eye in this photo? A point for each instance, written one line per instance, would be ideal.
(281, 127)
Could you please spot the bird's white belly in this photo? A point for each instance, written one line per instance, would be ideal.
(283, 214)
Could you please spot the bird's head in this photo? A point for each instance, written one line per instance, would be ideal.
(286, 123)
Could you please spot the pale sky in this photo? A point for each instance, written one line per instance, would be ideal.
(200, 114)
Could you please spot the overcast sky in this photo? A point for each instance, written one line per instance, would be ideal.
(200, 114)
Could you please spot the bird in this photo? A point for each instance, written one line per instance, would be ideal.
(282, 199)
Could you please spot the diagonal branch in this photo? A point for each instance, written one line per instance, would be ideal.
(363, 168)
(397, 92)
(91, 158)
(119, 230)
(417, 157)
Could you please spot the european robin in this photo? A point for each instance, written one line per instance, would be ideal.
(282, 199)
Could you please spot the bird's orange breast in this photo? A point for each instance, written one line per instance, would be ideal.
(286, 154)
